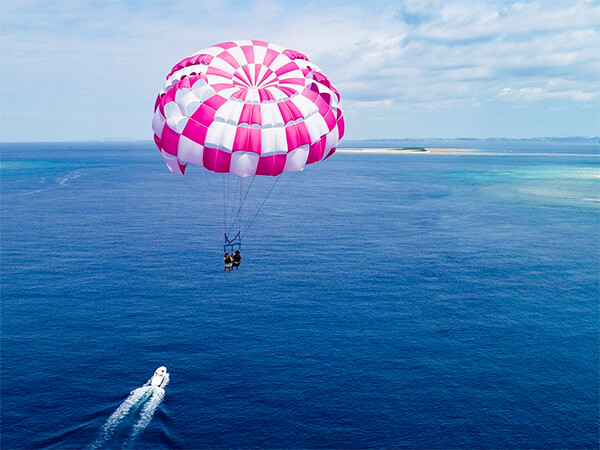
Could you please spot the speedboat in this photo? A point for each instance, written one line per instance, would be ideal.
(160, 377)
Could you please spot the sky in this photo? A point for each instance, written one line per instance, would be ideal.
(79, 70)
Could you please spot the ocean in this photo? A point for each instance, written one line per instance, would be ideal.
(383, 301)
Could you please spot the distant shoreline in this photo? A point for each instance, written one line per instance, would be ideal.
(407, 150)
(448, 151)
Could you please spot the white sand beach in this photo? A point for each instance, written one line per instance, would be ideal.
(408, 150)
(449, 151)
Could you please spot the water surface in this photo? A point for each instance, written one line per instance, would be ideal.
(414, 301)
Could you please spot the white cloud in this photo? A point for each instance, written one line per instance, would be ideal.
(433, 53)
(369, 105)
(100, 64)
(553, 90)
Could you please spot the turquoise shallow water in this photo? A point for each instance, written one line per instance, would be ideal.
(383, 301)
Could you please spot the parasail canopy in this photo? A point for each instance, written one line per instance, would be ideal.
(247, 108)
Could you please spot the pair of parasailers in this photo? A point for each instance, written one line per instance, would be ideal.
(232, 261)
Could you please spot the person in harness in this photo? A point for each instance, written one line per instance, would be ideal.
(228, 262)
(237, 258)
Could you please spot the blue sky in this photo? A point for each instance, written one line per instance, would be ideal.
(89, 70)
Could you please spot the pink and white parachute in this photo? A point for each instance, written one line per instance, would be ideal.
(247, 108)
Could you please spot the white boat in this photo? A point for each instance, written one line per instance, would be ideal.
(160, 377)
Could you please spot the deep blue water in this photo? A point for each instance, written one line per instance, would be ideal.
(420, 301)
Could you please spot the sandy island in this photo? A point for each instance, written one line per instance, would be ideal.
(448, 151)
(409, 150)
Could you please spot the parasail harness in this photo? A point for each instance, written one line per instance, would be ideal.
(235, 243)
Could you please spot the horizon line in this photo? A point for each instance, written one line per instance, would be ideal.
(504, 138)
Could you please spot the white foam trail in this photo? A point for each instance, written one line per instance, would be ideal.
(132, 416)
(147, 412)
(32, 192)
(68, 177)
(135, 398)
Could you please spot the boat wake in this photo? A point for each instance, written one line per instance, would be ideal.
(64, 181)
(132, 416)
(147, 412)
